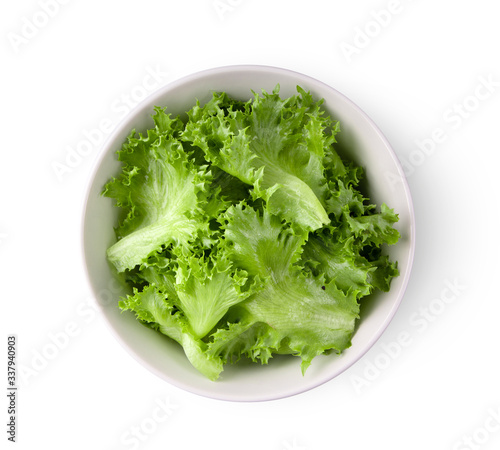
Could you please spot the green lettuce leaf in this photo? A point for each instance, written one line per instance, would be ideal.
(376, 229)
(154, 309)
(162, 192)
(276, 145)
(206, 288)
(301, 311)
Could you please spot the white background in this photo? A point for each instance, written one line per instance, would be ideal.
(65, 73)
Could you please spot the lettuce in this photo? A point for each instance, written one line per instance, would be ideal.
(244, 234)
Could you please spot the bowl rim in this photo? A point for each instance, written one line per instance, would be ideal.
(161, 91)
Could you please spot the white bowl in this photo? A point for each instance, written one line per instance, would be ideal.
(359, 140)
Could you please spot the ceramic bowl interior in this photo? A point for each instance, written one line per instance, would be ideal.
(359, 140)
